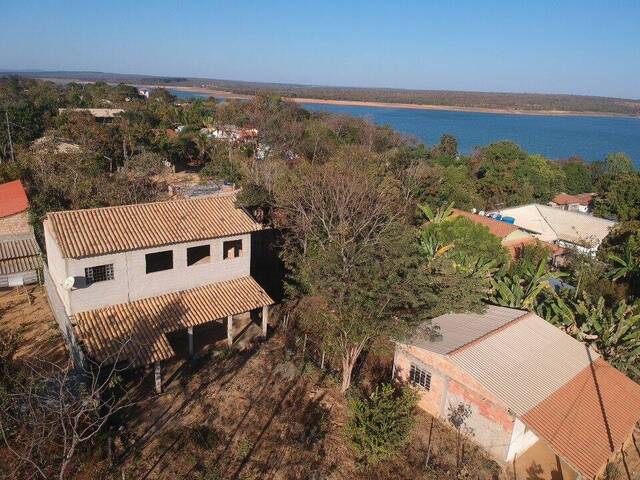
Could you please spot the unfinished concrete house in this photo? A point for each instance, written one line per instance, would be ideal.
(540, 400)
(139, 282)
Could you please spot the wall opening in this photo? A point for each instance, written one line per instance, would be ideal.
(232, 249)
(198, 255)
(156, 262)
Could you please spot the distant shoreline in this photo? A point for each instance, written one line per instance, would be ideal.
(409, 106)
(358, 103)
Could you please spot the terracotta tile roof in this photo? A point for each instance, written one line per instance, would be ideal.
(566, 199)
(498, 228)
(100, 231)
(589, 418)
(19, 256)
(13, 198)
(135, 331)
(516, 247)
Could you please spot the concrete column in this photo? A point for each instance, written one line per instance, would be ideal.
(230, 330)
(190, 334)
(158, 377)
(265, 320)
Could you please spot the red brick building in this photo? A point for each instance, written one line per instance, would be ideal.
(534, 392)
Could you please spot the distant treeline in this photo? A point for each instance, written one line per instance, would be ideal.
(506, 101)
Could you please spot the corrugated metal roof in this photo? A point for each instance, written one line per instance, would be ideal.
(589, 418)
(458, 329)
(135, 331)
(556, 223)
(100, 231)
(524, 363)
(19, 256)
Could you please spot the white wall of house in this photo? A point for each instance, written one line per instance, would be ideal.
(130, 280)
(521, 440)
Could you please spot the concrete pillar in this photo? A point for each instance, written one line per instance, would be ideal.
(190, 334)
(158, 377)
(230, 330)
(265, 320)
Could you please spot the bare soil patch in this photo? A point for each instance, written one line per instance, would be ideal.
(263, 413)
(26, 311)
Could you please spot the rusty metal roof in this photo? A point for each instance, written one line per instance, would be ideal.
(458, 329)
(524, 363)
(100, 231)
(135, 331)
(19, 255)
(589, 418)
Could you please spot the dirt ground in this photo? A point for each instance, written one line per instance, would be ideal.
(26, 311)
(258, 413)
(262, 414)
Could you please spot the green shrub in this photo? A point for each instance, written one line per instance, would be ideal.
(380, 424)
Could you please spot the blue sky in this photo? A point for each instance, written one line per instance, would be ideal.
(583, 47)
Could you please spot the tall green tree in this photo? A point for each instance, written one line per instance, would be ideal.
(577, 176)
(620, 197)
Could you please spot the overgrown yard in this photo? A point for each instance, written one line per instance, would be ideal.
(26, 312)
(264, 414)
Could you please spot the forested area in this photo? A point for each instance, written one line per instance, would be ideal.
(368, 242)
(489, 100)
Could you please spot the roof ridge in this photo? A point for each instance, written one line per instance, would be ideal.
(137, 205)
(544, 217)
(492, 332)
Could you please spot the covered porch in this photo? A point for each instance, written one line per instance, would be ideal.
(149, 331)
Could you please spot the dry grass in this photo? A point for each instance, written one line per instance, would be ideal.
(26, 311)
(264, 415)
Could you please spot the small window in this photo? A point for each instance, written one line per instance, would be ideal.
(232, 249)
(198, 255)
(420, 377)
(156, 262)
(99, 273)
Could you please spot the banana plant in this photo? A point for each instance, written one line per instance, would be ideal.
(475, 267)
(516, 292)
(437, 216)
(624, 266)
(614, 332)
(431, 246)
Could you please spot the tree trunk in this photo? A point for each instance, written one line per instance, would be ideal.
(349, 359)
(347, 369)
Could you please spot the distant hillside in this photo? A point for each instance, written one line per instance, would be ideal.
(500, 101)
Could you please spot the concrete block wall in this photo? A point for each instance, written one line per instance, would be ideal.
(491, 425)
(131, 282)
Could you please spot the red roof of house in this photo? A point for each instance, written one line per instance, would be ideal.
(13, 198)
(498, 228)
(588, 419)
(566, 199)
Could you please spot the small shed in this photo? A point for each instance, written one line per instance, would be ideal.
(20, 262)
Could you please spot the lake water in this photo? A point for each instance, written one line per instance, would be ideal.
(552, 136)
